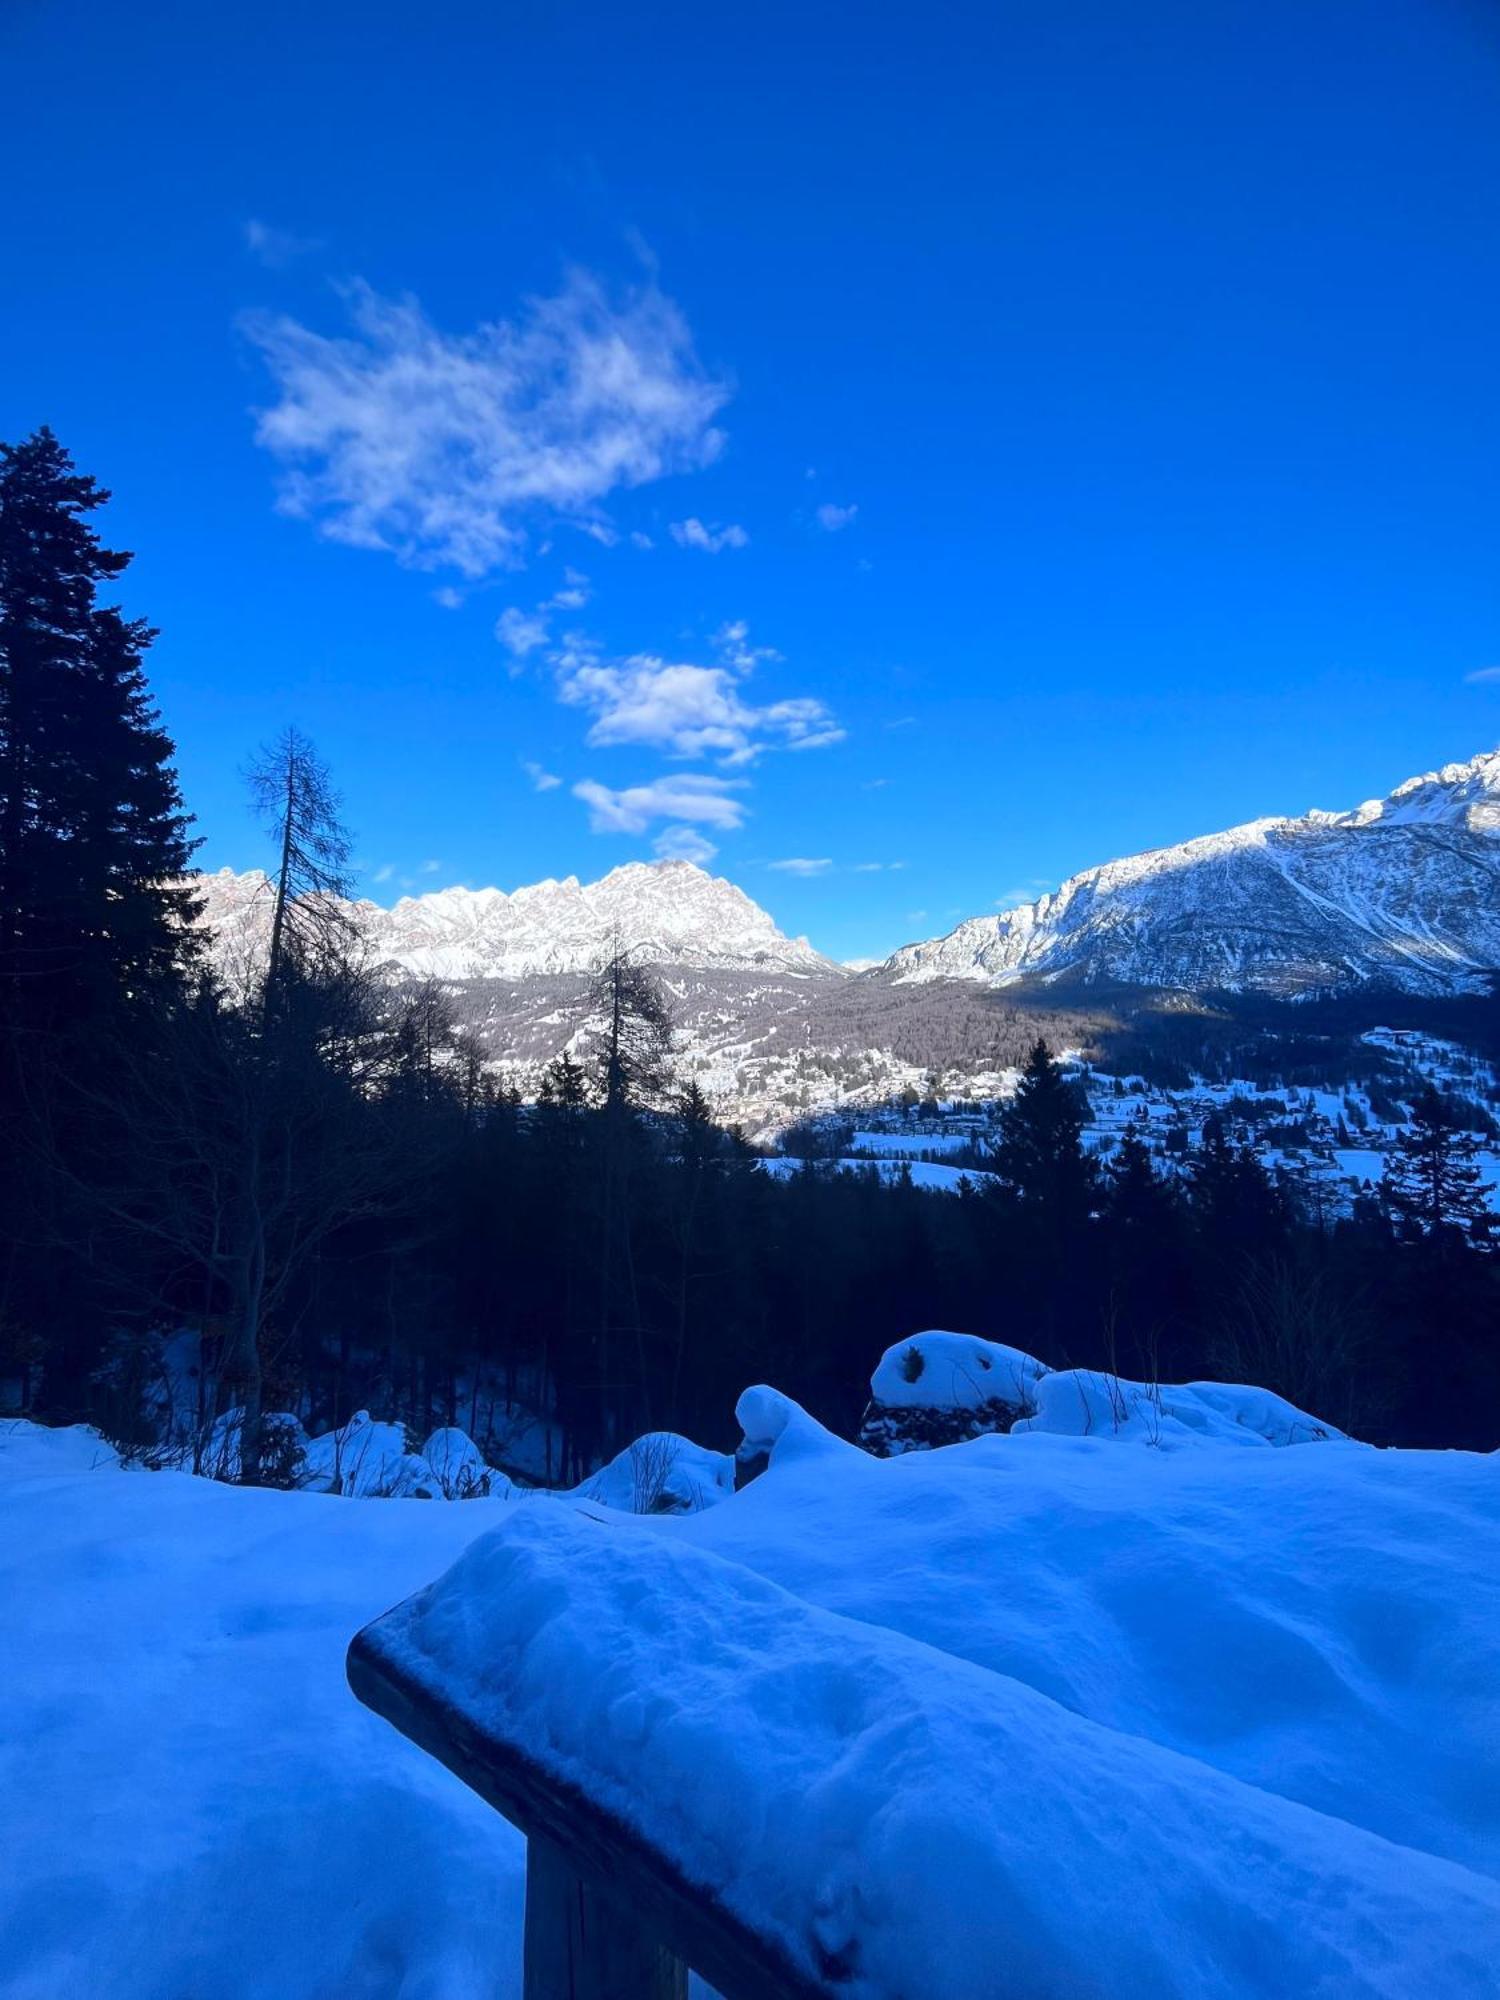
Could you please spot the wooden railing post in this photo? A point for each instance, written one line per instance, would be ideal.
(583, 1945)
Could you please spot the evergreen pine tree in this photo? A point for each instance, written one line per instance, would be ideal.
(1040, 1152)
(1432, 1182)
(93, 840)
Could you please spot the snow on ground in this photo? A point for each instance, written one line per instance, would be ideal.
(1037, 1714)
(923, 1173)
(912, 1144)
(196, 1808)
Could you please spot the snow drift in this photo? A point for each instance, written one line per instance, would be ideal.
(1037, 1713)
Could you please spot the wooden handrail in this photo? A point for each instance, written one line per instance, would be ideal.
(609, 1916)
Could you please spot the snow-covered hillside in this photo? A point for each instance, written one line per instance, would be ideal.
(1403, 891)
(668, 912)
(1326, 1143)
(1184, 1705)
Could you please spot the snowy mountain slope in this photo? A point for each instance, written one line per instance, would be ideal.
(667, 912)
(1403, 891)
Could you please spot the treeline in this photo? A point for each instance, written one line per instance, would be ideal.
(314, 1170)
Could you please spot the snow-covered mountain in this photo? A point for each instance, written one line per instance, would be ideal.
(667, 912)
(1403, 892)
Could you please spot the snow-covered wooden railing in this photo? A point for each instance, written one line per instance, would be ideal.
(608, 1914)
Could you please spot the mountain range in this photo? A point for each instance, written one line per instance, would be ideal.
(1402, 892)
(665, 912)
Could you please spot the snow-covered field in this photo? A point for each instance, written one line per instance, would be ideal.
(1038, 1714)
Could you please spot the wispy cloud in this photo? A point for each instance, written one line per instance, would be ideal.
(688, 710)
(1483, 674)
(830, 518)
(732, 641)
(444, 449)
(521, 632)
(542, 780)
(684, 843)
(694, 797)
(429, 867)
(800, 864)
(384, 873)
(275, 247)
(695, 534)
(878, 867)
(449, 598)
(574, 593)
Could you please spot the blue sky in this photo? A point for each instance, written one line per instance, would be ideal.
(984, 439)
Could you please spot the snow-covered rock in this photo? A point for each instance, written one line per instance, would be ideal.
(1403, 891)
(940, 1388)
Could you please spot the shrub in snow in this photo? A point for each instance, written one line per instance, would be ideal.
(283, 1449)
(941, 1388)
(662, 1473)
(369, 1461)
(459, 1466)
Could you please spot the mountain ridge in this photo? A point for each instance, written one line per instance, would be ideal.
(1403, 891)
(669, 912)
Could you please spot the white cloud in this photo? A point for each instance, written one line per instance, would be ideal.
(687, 710)
(384, 874)
(1483, 674)
(542, 780)
(448, 597)
(640, 541)
(695, 534)
(690, 796)
(830, 518)
(443, 448)
(684, 843)
(573, 595)
(429, 867)
(733, 643)
(877, 867)
(275, 247)
(521, 632)
(799, 864)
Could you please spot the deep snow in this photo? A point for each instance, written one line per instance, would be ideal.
(1043, 1714)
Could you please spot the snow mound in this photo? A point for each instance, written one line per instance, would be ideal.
(29, 1450)
(954, 1371)
(662, 1473)
(459, 1466)
(853, 1790)
(1087, 1402)
(774, 1423)
(368, 1461)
